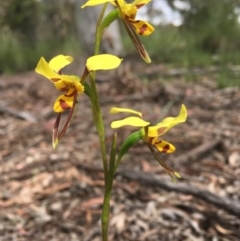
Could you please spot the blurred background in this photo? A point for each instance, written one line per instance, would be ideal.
(189, 33)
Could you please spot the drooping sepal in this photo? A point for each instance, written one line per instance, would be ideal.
(58, 134)
(136, 41)
(55, 131)
(172, 173)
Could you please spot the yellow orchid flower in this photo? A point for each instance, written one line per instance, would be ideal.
(128, 12)
(70, 84)
(152, 134)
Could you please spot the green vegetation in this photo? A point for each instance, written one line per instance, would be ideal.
(209, 36)
(16, 56)
(30, 30)
(179, 48)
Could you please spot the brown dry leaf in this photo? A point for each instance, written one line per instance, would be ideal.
(185, 197)
(234, 159)
(130, 188)
(53, 189)
(222, 230)
(146, 166)
(93, 202)
(118, 221)
(72, 174)
(40, 214)
(149, 233)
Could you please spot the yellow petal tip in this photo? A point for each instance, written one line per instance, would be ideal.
(54, 144)
(177, 174)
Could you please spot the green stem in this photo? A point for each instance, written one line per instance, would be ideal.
(108, 191)
(106, 210)
(98, 34)
(98, 120)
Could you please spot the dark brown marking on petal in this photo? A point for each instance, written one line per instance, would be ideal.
(64, 105)
(166, 148)
(158, 141)
(161, 130)
(140, 5)
(55, 79)
(143, 29)
(64, 89)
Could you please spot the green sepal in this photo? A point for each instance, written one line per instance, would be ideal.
(112, 16)
(88, 90)
(127, 144)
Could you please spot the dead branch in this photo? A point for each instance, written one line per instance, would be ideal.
(229, 205)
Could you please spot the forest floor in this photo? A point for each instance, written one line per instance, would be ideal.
(56, 195)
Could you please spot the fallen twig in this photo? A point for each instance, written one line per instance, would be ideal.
(225, 203)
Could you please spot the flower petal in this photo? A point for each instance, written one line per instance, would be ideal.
(164, 146)
(61, 81)
(128, 11)
(115, 110)
(142, 27)
(131, 121)
(103, 62)
(44, 69)
(61, 85)
(63, 103)
(90, 3)
(168, 123)
(79, 87)
(59, 62)
(69, 81)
